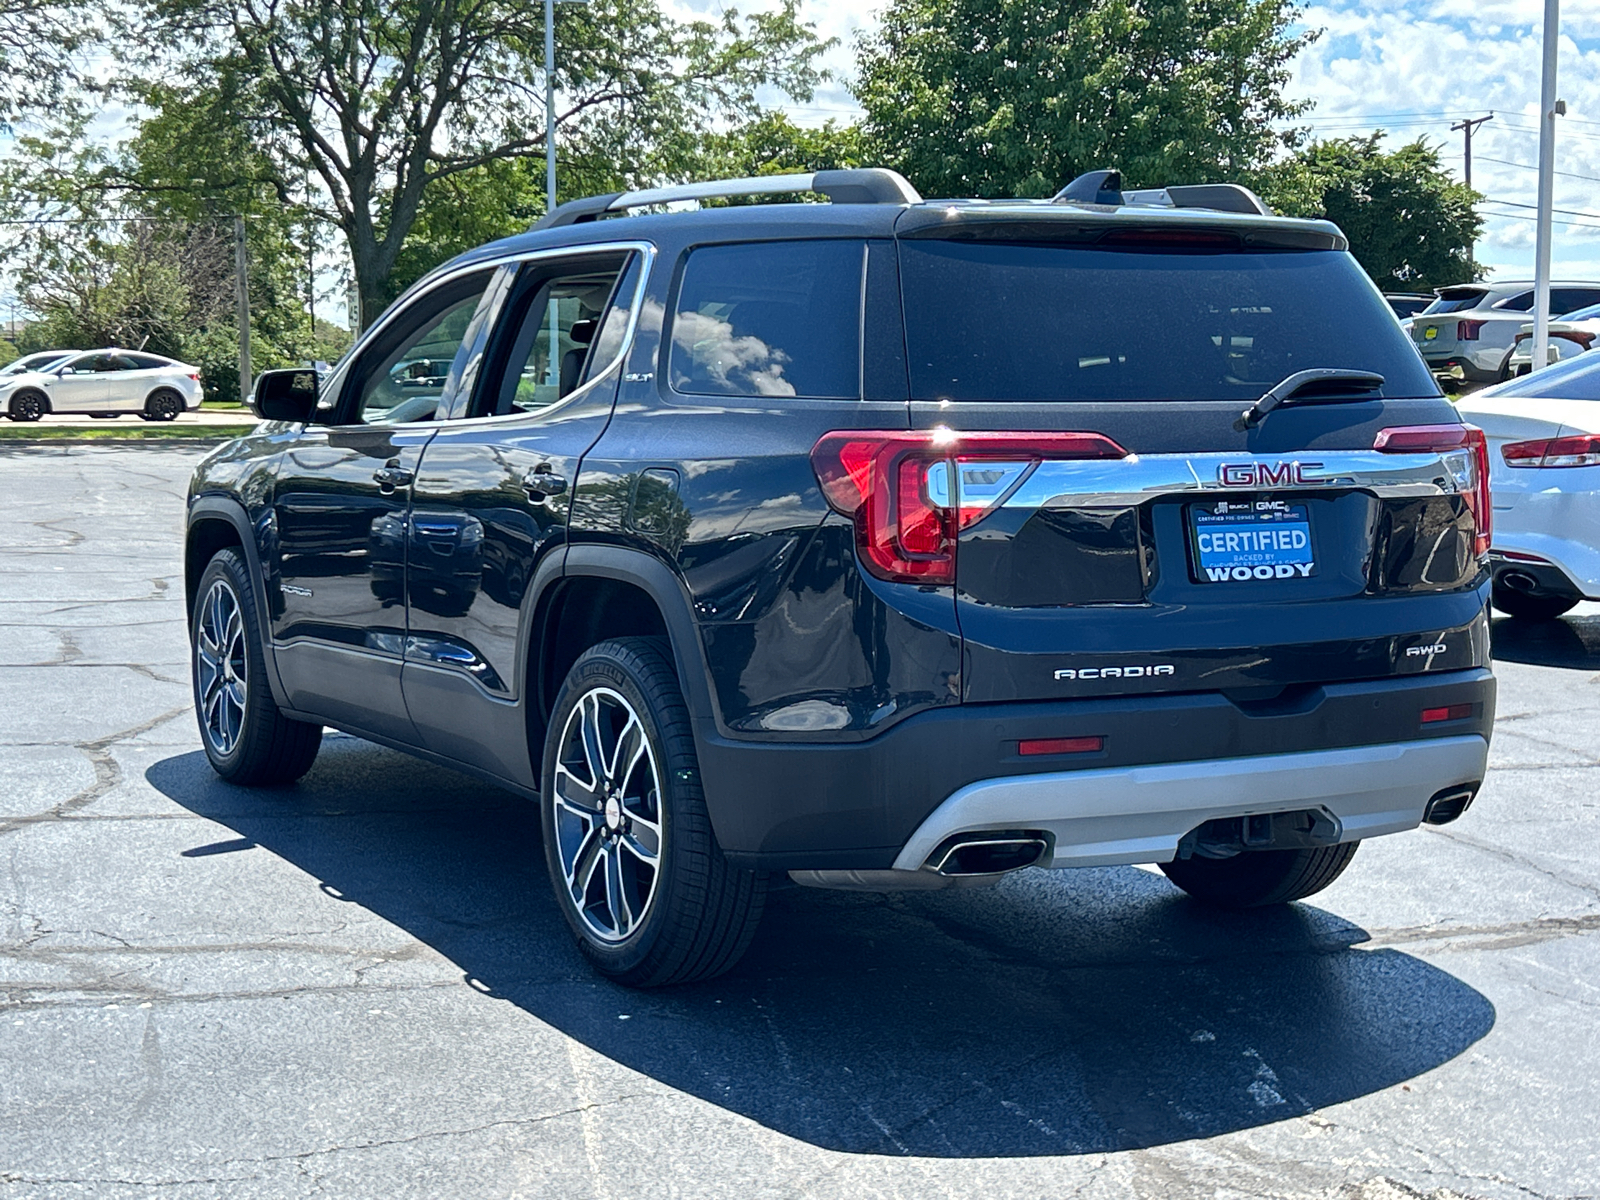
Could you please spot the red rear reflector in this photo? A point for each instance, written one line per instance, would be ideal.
(911, 493)
(1455, 712)
(1441, 439)
(1074, 745)
(1582, 450)
(1467, 331)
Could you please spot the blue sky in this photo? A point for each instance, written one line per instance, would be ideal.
(1412, 68)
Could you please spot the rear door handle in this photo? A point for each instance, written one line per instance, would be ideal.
(391, 477)
(543, 482)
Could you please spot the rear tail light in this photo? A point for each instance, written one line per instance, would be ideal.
(911, 493)
(195, 375)
(1442, 439)
(1467, 331)
(1580, 451)
(1453, 712)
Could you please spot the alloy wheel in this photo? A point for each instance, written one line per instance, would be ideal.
(222, 667)
(608, 814)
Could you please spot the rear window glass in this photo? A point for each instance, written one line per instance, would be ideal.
(1575, 379)
(770, 319)
(1454, 303)
(988, 321)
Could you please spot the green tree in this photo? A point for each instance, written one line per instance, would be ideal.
(1410, 223)
(1015, 98)
(772, 144)
(386, 102)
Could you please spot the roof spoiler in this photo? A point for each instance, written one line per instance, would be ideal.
(1105, 187)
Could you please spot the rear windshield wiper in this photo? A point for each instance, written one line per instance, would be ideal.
(1330, 385)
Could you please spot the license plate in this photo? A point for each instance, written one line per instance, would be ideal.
(1238, 541)
(1431, 332)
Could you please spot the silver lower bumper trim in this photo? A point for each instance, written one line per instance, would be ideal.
(1138, 814)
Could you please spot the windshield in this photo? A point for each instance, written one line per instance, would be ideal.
(1010, 322)
(1582, 314)
(32, 362)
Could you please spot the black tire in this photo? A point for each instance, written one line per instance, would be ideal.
(28, 406)
(163, 404)
(246, 737)
(698, 913)
(1530, 608)
(1260, 877)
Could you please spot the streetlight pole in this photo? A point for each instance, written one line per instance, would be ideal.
(550, 105)
(1547, 169)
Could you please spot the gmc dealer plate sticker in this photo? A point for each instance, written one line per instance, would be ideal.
(1237, 541)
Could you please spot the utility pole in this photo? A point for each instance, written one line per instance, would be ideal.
(1467, 127)
(241, 288)
(1548, 108)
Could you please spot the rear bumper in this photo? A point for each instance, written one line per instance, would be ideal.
(837, 806)
(1555, 526)
(1138, 814)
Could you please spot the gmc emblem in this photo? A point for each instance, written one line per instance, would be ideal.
(1265, 475)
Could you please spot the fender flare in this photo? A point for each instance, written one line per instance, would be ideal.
(230, 510)
(671, 596)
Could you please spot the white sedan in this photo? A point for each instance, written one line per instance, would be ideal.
(104, 383)
(1543, 431)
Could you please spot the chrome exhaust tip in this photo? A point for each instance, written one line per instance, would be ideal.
(966, 854)
(1447, 805)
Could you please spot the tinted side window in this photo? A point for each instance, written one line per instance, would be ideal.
(400, 377)
(557, 320)
(1522, 302)
(145, 362)
(770, 319)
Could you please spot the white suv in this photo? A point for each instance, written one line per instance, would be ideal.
(1469, 331)
(104, 383)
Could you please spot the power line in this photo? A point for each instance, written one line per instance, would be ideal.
(1571, 212)
(1506, 162)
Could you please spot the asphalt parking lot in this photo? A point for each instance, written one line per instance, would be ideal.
(361, 987)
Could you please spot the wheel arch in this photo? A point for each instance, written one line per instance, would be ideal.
(605, 592)
(217, 523)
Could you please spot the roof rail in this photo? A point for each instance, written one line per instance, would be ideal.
(866, 185)
(1105, 187)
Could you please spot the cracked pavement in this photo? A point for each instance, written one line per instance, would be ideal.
(360, 986)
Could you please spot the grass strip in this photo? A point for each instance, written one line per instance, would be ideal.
(12, 432)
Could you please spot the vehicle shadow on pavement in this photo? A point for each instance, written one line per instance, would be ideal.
(1060, 1012)
(1572, 642)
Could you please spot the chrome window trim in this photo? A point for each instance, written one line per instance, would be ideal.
(1127, 482)
(340, 375)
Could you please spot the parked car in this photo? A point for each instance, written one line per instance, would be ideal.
(1544, 463)
(104, 383)
(1570, 335)
(1468, 332)
(33, 362)
(875, 542)
(1407, 304)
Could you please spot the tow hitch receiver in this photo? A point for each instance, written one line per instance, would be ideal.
(1226, 836)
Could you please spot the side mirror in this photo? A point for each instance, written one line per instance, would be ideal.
(67, 371)
(289, 395)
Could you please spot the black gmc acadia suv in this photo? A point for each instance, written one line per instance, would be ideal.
(888, 543)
